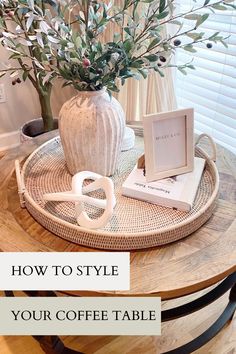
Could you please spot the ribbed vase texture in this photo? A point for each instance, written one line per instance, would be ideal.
(91, 127)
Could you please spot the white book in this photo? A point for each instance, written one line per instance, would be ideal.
(177, 192)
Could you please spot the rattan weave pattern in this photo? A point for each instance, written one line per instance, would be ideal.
(134, 225)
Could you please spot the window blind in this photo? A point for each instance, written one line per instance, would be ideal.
(211, 88)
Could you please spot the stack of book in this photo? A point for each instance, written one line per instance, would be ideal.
(176, 192)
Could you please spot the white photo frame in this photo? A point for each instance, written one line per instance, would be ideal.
(169, 143)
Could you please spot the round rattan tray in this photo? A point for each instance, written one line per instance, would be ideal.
(134, 224)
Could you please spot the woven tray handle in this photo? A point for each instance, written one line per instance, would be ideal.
(20, 183)
(212, 143)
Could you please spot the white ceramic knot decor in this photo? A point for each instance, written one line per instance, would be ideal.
(77, 195)
(91, 127)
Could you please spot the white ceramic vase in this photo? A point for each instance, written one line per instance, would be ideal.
(91, 127)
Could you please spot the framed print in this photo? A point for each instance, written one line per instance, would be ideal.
(168, 140)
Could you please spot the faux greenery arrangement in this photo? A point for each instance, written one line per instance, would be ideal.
(65, 39)
(140, 42)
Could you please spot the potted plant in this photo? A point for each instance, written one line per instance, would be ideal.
(91, 124)
(29, 54)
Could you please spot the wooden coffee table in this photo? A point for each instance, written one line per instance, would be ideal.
(197, 262)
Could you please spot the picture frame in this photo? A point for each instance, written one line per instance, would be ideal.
(169, 143)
